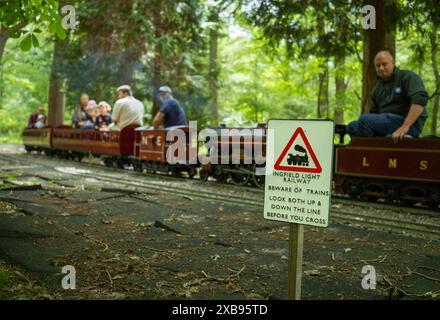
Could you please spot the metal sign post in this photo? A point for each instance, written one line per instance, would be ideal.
(296, 237)
(299, 159)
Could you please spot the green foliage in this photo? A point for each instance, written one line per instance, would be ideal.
(295, 26)
(270, 56)
(256, 87)
(25, 82)
(104, 53)
(16, 15)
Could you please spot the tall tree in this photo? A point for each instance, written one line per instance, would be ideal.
(323, 87)
(340, 53)
(341, 88)
(383, 36)
(435, 68)
(177, 34)
(422, 18)
(214, 22)
(323, 94)
(307, 29)
(144, 43)
(57, 81)
(158, 42)
(57, 85)
(111, 37)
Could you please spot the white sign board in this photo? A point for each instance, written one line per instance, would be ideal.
(299, 159)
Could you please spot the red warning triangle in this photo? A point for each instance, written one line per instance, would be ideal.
(299, 163)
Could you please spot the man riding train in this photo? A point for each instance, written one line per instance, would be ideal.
(398, 103)
(130, 111)
(171, 113)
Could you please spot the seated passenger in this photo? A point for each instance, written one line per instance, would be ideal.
(92, 114)
(398, 103)
(79, 117)
(103, 120)
(41, 121)
(171, 113)
(128, 110)
(33, 118)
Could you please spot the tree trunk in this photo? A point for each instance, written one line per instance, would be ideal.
(341, 87)
(256, 89)
(157, 61)
(383, 37)
(57, 86)
(390, 19)
(435, 69)
(127, 72)
(213, 66)
(323, 91)
(3, 39)
(323, 77)
(4, 35)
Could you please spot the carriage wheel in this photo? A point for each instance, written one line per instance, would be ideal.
(120, 164)
(222, 178)
(204, 175)
(434, 205)
(259, 180)
(407, 202)
(151, 168)
(192, 172)
(239, 179)
(108, 162)
(176, 172)
(368, 198)
(137, 166)
(392, 194)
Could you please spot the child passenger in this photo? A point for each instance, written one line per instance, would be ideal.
(103, 119)
(41, 121)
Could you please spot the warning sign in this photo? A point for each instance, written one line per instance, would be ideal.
(299, 158)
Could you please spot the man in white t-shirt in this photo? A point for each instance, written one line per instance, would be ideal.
(128, 110)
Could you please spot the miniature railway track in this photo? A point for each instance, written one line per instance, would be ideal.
(430, 212)
(335, 198)
(407, 226)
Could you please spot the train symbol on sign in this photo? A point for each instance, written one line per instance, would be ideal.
(304, 160)
(298, 159)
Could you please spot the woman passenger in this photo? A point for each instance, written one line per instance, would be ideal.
(80, 117)
(92, 114)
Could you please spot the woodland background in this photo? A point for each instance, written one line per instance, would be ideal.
(228, 61)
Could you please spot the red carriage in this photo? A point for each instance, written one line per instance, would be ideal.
(172, 150)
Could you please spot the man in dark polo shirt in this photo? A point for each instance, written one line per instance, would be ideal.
(398, 103)
(171, 113)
